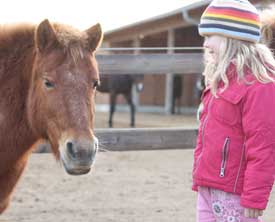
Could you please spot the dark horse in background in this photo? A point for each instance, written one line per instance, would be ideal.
(177, 93)
(120, 84)
(48, 79)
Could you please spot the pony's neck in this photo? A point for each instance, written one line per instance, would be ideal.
(16, 59)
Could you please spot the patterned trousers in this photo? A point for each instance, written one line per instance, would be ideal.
(217, 206)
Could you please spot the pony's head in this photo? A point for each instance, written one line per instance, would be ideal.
(61, 96)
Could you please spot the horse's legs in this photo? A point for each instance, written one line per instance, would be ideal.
(129, 100)
(173, 105)
(8, 181)
(179, 105)
(112, 107)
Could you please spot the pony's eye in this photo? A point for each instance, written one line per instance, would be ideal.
(95, 84)
(48, 84)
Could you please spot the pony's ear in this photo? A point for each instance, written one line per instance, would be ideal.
(95, 36)
(45, 36)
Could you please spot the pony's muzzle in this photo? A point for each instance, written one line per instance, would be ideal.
(79, 155)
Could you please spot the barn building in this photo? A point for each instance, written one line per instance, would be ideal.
(177, 28)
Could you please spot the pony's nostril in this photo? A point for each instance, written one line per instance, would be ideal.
(70, 149)
(80, 150)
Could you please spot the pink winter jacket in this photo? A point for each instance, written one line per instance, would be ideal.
(235, 149)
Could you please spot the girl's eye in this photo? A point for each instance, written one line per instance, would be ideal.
(48, 84)
(95, 84)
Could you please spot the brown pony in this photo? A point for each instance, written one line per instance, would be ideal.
(48, 78)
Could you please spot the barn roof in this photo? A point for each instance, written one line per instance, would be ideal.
(187, 15)
(191, 4)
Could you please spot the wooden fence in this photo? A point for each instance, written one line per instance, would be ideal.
(185, 63)
(154, 63)
(141, 139)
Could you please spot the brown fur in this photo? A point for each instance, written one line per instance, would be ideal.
(32, 60)
(268, 27)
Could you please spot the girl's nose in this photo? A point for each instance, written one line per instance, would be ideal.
(205, 43)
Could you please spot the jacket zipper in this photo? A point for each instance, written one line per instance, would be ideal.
(237, 178)
(224, 156)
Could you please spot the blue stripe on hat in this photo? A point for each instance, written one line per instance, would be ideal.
(225, 27)
(228, 33)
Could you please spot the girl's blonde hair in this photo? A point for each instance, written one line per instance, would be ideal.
(255, 56)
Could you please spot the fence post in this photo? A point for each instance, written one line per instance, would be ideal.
(135, 94)
(169, 76)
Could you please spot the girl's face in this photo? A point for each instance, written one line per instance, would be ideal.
(212, 45)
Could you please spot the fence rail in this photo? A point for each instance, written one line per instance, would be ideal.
(185, 63)
(142, 49)
(141, 139)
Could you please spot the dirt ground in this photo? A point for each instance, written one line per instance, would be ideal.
(143, 120)
(131, 186)
(137, 186)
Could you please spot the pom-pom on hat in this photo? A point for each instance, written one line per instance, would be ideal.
(237, 19)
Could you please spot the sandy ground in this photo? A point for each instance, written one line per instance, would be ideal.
(136, 186)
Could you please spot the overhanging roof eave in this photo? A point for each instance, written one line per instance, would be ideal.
(159, 17)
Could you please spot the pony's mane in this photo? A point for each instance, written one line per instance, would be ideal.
(16, 38)
(268, 17)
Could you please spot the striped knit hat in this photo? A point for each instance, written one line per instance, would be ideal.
(237, 19)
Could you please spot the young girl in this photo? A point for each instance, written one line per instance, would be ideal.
(234, 160)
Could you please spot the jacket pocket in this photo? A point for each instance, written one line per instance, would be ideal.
(225, 151)
(226, 108)
(225, 112)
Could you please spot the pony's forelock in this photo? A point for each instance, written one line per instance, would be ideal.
(73, 40)
(66, 34)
